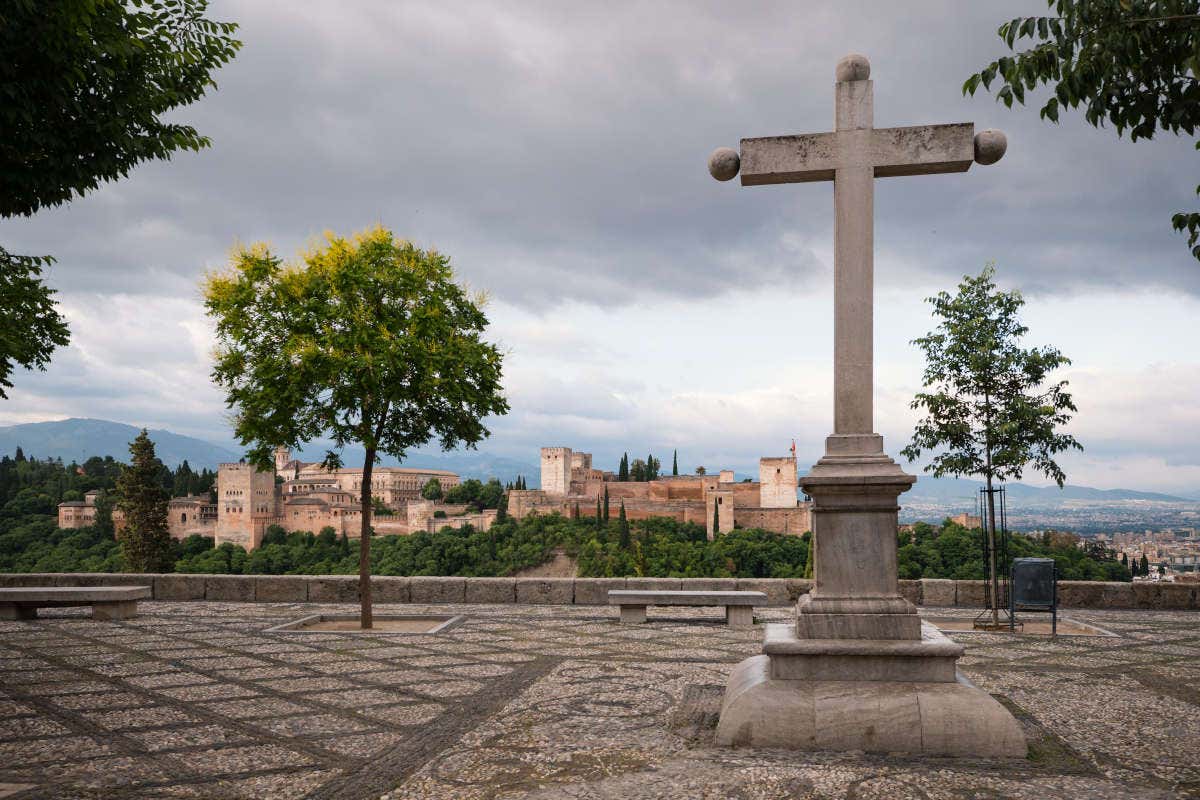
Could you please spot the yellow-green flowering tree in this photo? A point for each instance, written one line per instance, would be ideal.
(366, 341)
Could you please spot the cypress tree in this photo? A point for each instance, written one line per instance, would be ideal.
(675, 463)
(104, 519)
(624, 526)
(1145, 565)
(716, 519)
(598, 517)
(623, 469)
(502, 510)
(145, 541)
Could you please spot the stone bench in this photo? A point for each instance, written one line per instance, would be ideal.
(739, 606)
(107, 602)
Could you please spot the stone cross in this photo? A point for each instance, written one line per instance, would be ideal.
(859, 670)
(852, 156)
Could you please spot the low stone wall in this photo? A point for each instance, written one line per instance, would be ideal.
(571, 591)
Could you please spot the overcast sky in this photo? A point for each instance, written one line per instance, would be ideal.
(557, 153)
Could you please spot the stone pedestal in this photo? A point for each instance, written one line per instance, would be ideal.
(856, 595)
(869, 695)
(859, 670)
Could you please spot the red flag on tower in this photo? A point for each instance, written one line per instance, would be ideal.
(793, 448)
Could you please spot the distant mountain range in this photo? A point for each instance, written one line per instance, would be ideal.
(80, 439)
(948, 489)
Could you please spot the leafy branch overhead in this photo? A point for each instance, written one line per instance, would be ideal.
(86, 84)
(30, 325)
(84, 87)
(1132, 63)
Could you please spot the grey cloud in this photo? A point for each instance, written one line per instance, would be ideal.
(558, 152)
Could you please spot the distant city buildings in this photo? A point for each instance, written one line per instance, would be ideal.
(1176, 550)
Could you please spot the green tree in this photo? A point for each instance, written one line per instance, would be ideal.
(367, 341)
(1133, 63)
(675, 463)
(701, 471)
(104, 517)
(145, 540)
(623, 468)
(716, 519)
(1144, 565)
(30, 325)
(606, 504)
(637, 470)
(86, 84)
(432, 490)
(623, 528)
(990, 411)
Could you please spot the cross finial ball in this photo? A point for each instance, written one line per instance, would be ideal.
(724, 163)
(990, 146)
(854, 67)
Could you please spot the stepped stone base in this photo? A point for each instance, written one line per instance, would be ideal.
(875, 696)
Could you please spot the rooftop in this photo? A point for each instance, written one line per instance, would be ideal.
(195, 700)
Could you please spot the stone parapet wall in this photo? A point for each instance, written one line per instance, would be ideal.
(571, 591)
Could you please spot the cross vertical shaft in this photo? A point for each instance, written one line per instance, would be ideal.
(854, 234)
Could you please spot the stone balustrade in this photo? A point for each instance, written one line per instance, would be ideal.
(572, 591)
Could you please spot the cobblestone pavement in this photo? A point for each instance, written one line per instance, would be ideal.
(196, 701)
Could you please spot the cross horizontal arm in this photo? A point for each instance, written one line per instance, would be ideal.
(916, 150)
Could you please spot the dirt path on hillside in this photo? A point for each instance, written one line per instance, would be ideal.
(560, 565)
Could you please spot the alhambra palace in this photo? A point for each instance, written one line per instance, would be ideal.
(304, 496)
(571, 486)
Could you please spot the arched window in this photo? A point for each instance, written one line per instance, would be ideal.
(183, 517)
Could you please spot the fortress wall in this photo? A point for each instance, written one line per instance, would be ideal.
(781, 520)
(623, 491)
(744, 494)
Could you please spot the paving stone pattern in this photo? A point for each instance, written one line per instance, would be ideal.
(541, 701)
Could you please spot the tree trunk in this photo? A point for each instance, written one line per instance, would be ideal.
(994, 585)
(991, 534)
(364, 543)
